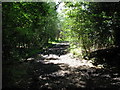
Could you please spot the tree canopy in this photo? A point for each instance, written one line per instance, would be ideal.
(27, 26)
(41, 41)
(92, 25)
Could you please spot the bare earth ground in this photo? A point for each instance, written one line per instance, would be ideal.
(66, 73)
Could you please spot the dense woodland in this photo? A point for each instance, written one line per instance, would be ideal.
(29, 28)
(92, 27)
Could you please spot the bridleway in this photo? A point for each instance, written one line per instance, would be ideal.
(57, 69)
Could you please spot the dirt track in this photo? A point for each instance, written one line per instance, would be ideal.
(62, 72)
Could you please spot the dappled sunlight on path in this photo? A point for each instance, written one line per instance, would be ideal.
(67, 59)
(66, 72)
(60, 71)
(75, 73)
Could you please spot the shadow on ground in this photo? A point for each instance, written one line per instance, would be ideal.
(57, 49)
(39, 74)
(61, 77)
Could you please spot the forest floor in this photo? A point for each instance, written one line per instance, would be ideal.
(60, 71)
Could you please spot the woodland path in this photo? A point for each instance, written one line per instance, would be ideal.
(57, 69)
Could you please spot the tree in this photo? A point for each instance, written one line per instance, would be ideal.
(92, 26)
(27, 26)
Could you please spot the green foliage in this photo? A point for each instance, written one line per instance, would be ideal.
(92, 25)
(27, 26)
